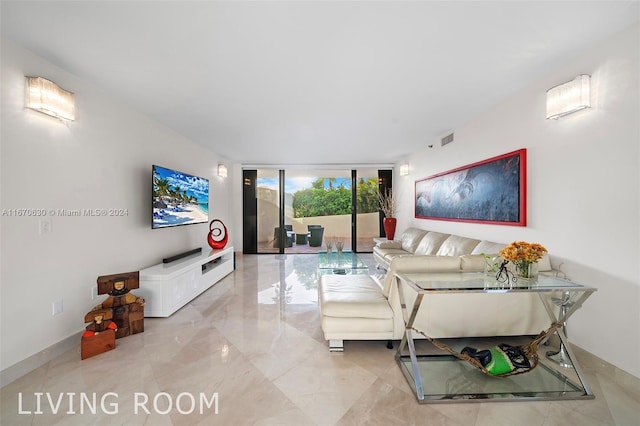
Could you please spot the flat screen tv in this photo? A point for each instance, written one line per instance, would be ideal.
(178, 198)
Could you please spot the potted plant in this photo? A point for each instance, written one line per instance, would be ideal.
(387, 207)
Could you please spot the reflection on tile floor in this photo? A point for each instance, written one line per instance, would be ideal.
(252, 347)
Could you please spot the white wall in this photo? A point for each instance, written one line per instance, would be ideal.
(583, 188)
(102, 160)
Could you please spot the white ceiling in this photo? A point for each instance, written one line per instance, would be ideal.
(325, 82)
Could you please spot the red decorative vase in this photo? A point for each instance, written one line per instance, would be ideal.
(218, 236)
(389, 224)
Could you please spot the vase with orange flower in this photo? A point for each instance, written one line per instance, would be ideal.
(524, 257)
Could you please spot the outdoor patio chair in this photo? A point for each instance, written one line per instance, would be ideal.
(315, 238)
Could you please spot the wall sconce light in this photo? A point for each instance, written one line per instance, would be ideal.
(569, 97)
(47, 97)
(222, 170)
(404, 169)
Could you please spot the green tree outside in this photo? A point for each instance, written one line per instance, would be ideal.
(321, 201)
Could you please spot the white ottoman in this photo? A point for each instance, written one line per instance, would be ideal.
(353, 307)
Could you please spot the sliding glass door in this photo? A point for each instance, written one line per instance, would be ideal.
(320, 208)
(367, 212)
(301, 210)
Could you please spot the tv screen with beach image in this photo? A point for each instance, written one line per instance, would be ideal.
(179, 198)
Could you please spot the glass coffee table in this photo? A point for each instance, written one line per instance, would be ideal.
(343, 263)
(445, 378)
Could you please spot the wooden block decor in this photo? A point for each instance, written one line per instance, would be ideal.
(136, 318)
(128, 309)
(118, 283)
(121, 314)
(99, 335)
(107, 314)
(129, 318)
(97, 344)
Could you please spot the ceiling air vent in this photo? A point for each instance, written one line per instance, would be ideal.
(447, 139)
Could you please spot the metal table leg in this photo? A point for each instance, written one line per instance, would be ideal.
(561, 357)
(417, 378)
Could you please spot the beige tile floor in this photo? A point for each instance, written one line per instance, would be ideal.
(253, 344)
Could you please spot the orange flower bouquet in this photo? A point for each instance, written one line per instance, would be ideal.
(524, 256)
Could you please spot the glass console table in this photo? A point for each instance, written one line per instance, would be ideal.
(445, 378)
(343, 263)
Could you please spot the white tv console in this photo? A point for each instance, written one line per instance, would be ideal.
(167, 287)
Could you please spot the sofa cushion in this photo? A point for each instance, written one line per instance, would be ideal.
(487, 247)
(456, 245)
(389, 254)
(472, 263)
(424, 263)
(544, 264)
(449, 315)
(430, 243)
(390, 244)
(411, 238)
(353, 296)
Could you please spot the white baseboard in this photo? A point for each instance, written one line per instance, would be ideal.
(11, 374)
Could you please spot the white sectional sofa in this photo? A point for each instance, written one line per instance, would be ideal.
(367, 307)
(415, 241)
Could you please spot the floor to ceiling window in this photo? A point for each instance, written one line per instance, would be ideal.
(301, 210)
(268, 194)
(320, 208)
(367, 212)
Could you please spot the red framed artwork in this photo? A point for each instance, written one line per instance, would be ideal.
(492, 191)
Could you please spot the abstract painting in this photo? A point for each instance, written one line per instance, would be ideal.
(491, 191)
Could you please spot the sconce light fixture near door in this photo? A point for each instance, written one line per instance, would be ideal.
(222, 170)
(569, 97)
(404, 169)
(47, 97)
